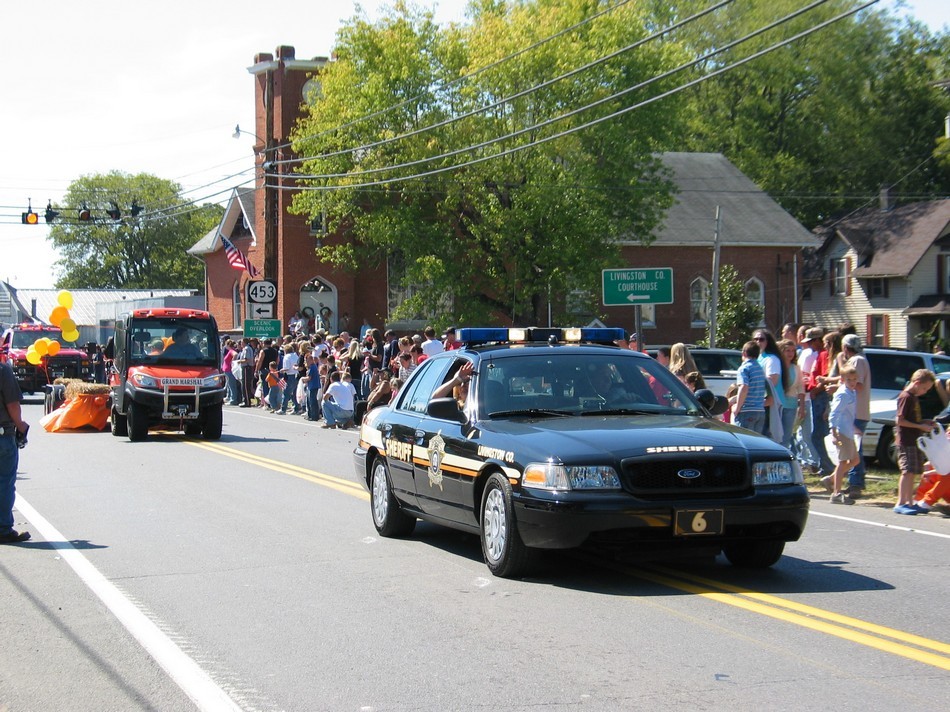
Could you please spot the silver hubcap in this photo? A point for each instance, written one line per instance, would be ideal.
(380, 494)
(494, 524)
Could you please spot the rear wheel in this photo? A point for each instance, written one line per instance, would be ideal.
(137, 422)
(753, 554)
(504, 552)
(886, 449)
(388, 517)
(213, 422)
(120, 426)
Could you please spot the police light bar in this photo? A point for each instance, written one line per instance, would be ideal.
(575, 335)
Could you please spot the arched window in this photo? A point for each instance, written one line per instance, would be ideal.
(755, 294)
(699, 302)
(236, 305)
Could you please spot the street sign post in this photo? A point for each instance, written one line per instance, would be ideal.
(262, 328)
(635, 286)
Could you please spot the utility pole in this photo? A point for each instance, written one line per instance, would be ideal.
(714, 287)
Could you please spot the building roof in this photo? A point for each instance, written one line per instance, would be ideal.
(750, 218)
(890, 243)
(240, 207)
(83, 311)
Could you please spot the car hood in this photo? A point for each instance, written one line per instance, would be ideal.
(608, 437)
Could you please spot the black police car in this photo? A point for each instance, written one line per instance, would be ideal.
(564, 439)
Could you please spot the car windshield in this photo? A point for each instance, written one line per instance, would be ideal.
(23, 339)
(558, 382)
(171, 341)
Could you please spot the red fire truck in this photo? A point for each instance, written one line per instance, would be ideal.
(69, 362)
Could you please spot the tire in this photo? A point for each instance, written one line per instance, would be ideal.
(211, 430)
(388, 517)
(120, 425)
(137, 422)
(505, 554)
(193, 429)
(754, 554)
(886, 452)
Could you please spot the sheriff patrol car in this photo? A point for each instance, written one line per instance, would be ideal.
(553, 438)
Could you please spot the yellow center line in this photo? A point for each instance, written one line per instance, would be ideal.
(827, 622)
(335, 483)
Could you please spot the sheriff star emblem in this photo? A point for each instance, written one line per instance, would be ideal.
(436, 454)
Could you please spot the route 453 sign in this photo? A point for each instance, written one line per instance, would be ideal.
(261, 295)
(632, 286)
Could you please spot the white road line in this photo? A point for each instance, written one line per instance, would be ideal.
(885, 525)
(186, 673)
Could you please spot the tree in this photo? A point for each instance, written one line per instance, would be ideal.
(141, 251)
(492, 239)
(736, 316)
(823, 123)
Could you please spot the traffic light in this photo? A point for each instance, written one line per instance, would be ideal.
(114, 211)
(51, 214)
(29, 217)
(84, 214)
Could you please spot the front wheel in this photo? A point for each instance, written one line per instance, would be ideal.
(505, 554)
(388, 517)
(753, 554)
(137, 422)
(120, 426)
(211, 430)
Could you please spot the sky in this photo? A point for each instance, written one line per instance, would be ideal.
(153, 87)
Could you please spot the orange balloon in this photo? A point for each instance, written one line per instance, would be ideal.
(53, 348)
(57, 315)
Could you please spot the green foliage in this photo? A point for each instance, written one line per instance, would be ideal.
(736, 316)
(491, 240)
(133, 252)
(824, 122)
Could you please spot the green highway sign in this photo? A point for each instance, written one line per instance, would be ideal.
(638, 285)
(262, 328)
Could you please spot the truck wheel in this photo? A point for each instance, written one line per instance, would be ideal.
(137, 422)
(120, 426)
(504, 552)
(213, 423)
(753, 554)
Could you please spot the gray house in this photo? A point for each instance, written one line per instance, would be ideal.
(887, 271)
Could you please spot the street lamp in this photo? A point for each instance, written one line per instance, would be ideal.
(238, 131)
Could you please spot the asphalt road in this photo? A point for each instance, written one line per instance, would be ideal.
(246, 574)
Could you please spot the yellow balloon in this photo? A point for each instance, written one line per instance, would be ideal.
(53, 348)
(58, 314)
(67, 324)
(65, 299)
(41, 347)
(71, 335)
(33, 357)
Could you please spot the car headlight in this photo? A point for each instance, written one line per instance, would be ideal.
(777, 473)
(144, 381)
(216, 381)
(545, 475)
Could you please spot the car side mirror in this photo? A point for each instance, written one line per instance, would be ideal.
(445, 409)
(716, 405)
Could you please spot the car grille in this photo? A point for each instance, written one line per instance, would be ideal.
(650, 478)
(69, 367)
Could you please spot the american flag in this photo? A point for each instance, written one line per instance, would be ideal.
(237, 258)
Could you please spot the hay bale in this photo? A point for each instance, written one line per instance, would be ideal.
(76, 387)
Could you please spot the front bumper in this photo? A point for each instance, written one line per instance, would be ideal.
(550, 520)
(167, 404)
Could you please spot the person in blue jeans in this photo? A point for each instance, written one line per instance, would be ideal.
(11, 422)
(748, 411)
(313, 388)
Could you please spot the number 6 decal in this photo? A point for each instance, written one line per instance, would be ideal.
(699, 522)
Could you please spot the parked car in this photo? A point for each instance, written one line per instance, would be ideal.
(718, 366)
(891, 369)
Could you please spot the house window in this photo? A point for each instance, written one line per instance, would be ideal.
(840, 276)
(236, 305)
(877, 287)
(877, 329)
(699, 302)
(755, 295)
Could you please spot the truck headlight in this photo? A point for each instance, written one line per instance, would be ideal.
(783, 472)
(545, 475)
(216, 381)
(140, 379)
